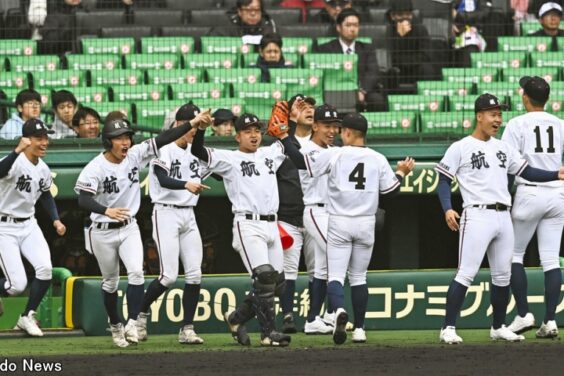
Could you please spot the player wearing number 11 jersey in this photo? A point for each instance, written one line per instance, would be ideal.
(539, 207)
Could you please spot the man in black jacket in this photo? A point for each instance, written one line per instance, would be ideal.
(249, 19)
(550, 15)
(369, 86)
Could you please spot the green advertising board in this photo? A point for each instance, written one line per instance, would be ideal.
(411, 299)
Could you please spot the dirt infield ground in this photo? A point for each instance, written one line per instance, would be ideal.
(491, 359)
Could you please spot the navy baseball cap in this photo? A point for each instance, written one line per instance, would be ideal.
(246, 120)
(187, 112)
(355, 121)
(536, 88)
(35, 127)
(488, 101)
(326, 114)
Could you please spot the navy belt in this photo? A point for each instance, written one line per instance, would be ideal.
(530, 185)
(260, 217)
(5, 218)
(496, 207)
(111, 225)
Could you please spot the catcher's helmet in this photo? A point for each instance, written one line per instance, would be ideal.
(115, 128)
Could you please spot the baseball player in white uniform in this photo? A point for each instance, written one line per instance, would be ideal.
(481, 163)
(539, 138)
(25, 179)
(357, 176)
(108, 187)
(249, 174)
(326, 126)
(174, 185)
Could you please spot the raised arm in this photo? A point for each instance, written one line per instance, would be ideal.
(7, 163)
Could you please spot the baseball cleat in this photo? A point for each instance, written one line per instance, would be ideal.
(28, 324)
(329, 318)
(317, 326)
(275, 339)
(548, 330)
(288, 324)
(118, 335)
(522, 324)
(504, 334)
(340, 329)
(142, 326)
(131, 334)
(448, 335)
(238, 331)
(188, 336)
(359, 335)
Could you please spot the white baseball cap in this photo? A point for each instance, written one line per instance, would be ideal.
(547, 7)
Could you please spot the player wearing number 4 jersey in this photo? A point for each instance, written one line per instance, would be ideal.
(539, 137)
(357, 176)
(481, 164)
(108, 187)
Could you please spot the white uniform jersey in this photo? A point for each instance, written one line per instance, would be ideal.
(357, 175)
(303, 140)
(20, 189)
(481, 168)
(116, 185)
(180, 164)
(314, 188)
(539, 137)
(250, 178)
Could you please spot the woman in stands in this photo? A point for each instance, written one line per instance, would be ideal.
(270, 55)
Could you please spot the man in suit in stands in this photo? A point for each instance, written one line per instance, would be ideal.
(250, 18)
(369, 87)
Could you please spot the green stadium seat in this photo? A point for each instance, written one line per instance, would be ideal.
(506, 116)
(104, 108)
(173, 45)
(504, 60)
(457, 104)
(250, 60)
(62, 78)
(234, 76)
(35, 63)
(152, 61)
(236, 105)
(421, 103)
(391, 122)
(198, 91)
(216, 61)
(557, 89)
(444, 88)
(152, 114)
(514, 75)
(116, 46)
(471, 75)
(261, 111)
(87, 95)
(460, 122)
(11, 92)
(174, 76)
(303, 81)
(555, 104)
(229, 45)
(138, 93)
(560, 43)
(16, 80)
(93, 62)
(516, 104)
(18, 47)
(530, 27)
(336, 67)
(547, 59)
(499, 89)
(296, 45)
(525, 43)
(45, 97)
(262, 94)
(128, 77)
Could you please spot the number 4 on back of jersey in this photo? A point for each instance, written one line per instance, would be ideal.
(357, 176)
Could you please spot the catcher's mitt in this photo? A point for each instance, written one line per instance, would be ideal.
(278, 123)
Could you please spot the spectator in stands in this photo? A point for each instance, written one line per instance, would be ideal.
(56, 37)
(470, 17)
(115, 115)
(270, 55)
(409, 43)
(223, 122)
(86, 123)
(28, 104)
(369, 94)
(249, 18)
(328, 15)
(304, 5)
(550, 14)
(521, 13)
(64, 107)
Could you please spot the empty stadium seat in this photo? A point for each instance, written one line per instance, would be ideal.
(234, 76)
(40, 63)
(378, 16)
(225, 61)
(118, 46)
(88, 23)
(302, 45)
(463, 103)
(81, 62)
(60, 78)
(174, 76)
(375, 32)
(176, 45)
(421, 103)
(547, 59)
(208, 17)
(499, 89)
(231, 45)
(444, 88)
(285, 16)
(514, 75)
(152, 61)
(513, 59)
(473, 75)
(343, 97)
(17, 47)
(136, 32)
(262, 94)
(193, 4)
(461, 122)
(391, 122)
(336, 67)
(188, 30)
(104, 108)
(530, 44)
(128, 77)
(87, 95)
(304, 81)
(158, 17)
(152, 114)
(14, 80)
(199, 91)
(310, 30)
(137, 93)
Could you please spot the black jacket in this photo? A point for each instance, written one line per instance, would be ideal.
(412, 49)
(236, 28)
(368, 75)
(264, 67)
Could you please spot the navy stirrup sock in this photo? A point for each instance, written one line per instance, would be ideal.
(552, 283)
(153, 292)
(336, 294)
(519, 288)
(287, 297)
(190, 302)
(38, 290)
(110, 302)
(359, 296)
(134, 295)
(499, 300)
(455, 297)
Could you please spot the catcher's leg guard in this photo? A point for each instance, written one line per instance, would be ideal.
(264, 286)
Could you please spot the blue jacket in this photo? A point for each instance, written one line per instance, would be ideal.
(12, 128)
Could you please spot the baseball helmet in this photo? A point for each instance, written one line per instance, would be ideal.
(115, 128)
